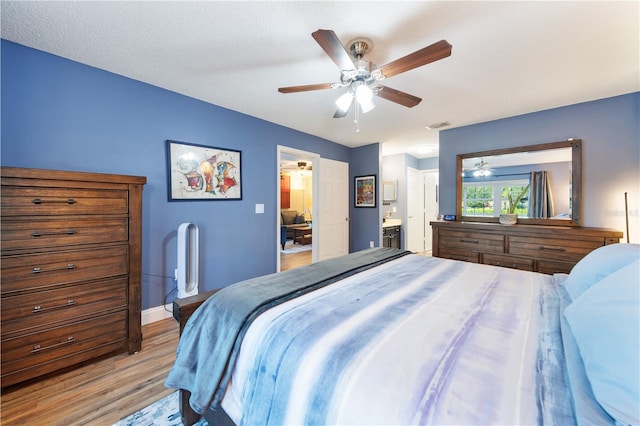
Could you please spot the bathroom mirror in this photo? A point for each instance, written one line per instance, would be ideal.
(540, 183)
(388, 190)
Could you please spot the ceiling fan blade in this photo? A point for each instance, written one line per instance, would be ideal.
(426, 55)
(398, 97)
(341, 113)
(305, 88)
(330, 43)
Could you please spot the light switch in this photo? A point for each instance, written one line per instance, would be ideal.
(259, 208)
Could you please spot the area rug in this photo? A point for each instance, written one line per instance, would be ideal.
(165, 412)
(289, 247)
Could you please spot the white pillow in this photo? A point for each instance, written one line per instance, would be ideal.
(598, 264)
(605, 322)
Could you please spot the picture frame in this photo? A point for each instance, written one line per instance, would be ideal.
(202, 173)
(365, 191)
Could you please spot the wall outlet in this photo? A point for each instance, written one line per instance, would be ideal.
(370, 244)
(395, 210)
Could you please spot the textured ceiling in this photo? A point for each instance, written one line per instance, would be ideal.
(509, 58)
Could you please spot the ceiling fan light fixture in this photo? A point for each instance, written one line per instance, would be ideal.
(364, 93)
(344, 102)
(366, 106)
(479, 173)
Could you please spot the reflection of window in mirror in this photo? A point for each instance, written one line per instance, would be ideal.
(388, 190)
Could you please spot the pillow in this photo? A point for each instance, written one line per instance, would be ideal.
(605, 322)
(299, 219)
(598, 264)
(288, 216)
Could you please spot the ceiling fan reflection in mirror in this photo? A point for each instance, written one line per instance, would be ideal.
(362, 78)
(479, 169)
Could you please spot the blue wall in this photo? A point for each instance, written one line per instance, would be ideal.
(366, 223)
(59, 114)
(610, 133)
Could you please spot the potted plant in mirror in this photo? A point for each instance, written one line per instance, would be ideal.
(513, 199)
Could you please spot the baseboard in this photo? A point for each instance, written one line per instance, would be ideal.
(156, 314)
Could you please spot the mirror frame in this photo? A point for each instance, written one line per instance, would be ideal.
(389, 190)
(576, 182)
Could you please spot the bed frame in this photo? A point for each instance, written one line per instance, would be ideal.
(182, 311)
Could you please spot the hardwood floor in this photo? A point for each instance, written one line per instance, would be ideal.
(99, 393)
(294, 260)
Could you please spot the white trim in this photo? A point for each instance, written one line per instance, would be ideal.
(156, 314)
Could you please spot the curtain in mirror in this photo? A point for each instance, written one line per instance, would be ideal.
(541, 203)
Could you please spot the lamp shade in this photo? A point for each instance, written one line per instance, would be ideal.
(344, 102)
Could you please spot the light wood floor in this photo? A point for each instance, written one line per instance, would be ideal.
(294, 260)
(99, 393)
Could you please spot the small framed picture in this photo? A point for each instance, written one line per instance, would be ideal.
(365, 191)
(203, 173)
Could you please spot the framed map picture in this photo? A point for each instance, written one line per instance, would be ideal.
(203, 173)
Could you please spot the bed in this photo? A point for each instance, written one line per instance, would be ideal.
(384, 336)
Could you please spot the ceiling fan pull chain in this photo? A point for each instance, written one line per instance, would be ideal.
(357, 117)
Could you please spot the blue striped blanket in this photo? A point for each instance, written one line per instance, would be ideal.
(415, 340)
(211, 338)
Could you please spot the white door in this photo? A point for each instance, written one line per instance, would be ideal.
(331, 211)
(415, 225)
(430, 204)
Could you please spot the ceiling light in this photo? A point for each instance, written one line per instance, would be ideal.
(344, 102)
(366, 105)
(363, 93)
(425, 149)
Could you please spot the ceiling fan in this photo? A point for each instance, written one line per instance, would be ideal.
(480, 169)
(362, 77)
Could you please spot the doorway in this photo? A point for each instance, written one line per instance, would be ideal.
(295, 206)
(422, 208)
(430, 178)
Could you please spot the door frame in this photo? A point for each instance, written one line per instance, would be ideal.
(307, 155)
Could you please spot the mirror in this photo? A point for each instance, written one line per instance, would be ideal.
(388, 190)
(540, 183)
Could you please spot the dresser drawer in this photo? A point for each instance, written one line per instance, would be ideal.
(20, 201)
(52, 233)
(42, 270)
(457, 254)
(44, 308)
(523, 263)
(557, 249)
(46, 351)
(461, 241)
(554, 266)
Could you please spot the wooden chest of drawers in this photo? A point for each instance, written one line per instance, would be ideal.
(70, 288)
(546, 249)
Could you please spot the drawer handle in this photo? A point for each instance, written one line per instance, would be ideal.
(38, 348)
(38, 270)
(469, 240)
(545, 248)
(40, 201)
(40, 234)
(38, 308)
